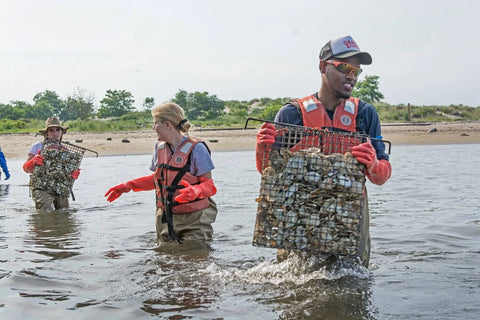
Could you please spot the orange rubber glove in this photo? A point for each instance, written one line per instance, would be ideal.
(378, 171)
(265, 138)
(75, 173)
(204, 189)
(140, 184)
(29, 165)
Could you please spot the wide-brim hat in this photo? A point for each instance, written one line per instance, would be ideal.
(344, 47)
(52, 122)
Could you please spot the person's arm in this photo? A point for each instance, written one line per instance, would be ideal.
(140, 184)
(369, 122)
(32, 161)
(265, 139)
(378, 171)
(3, 164)
(289, 114)
(204, 189)
(372, 153)
(202, 166)
(75, 173)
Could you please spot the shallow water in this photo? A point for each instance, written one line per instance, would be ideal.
(100, 261)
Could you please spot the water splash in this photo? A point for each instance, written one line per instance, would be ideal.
(295, 269)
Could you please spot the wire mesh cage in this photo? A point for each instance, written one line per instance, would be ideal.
(311, 193)
(60, 160)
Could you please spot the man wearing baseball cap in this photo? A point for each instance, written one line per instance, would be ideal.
(333, 108)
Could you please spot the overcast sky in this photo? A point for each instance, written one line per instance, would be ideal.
(425, 52)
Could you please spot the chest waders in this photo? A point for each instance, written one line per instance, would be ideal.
(167, 193)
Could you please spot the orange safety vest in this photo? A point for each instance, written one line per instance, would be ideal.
(171, 168)
(315, 116)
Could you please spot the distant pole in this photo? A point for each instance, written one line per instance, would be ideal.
(409, 114)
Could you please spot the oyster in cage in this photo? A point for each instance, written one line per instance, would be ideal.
(301, 242)
(312, 177)
(310, 201)
(313, 220)
(55, 174)
(290, 219)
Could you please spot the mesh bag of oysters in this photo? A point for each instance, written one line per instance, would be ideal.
(60, 159)
(311, 192)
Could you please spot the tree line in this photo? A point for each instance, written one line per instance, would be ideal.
(76, 106)
(202, 108)
(116, 103)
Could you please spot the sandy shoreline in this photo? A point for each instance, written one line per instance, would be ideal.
(16, 146)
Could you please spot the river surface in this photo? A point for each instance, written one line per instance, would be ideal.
(100, 260)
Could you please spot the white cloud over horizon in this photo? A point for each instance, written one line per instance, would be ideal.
(425, 53)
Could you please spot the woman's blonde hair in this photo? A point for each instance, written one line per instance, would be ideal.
(174, 113)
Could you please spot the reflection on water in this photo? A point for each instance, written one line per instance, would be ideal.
(54, 234)
(174, 282)
(4, 190)
(345, 298)
(98, 260)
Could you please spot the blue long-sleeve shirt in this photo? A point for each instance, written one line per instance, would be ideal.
(3, 164)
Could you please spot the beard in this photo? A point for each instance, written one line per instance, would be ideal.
(342, 95)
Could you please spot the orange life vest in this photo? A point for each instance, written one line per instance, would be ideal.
(171, 168)
(344, 119)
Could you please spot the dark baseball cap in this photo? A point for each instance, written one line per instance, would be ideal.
(344, 47)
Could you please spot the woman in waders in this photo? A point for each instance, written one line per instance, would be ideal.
(182, 179)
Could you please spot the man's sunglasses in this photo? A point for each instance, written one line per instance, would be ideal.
(345, 67)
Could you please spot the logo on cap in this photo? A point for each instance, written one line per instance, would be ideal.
(351, 44)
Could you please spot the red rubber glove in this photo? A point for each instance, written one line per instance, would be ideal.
(265, 138)
(29, 165)
(204, 189)
(140, 184)
(378, 171)
(75, 173)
